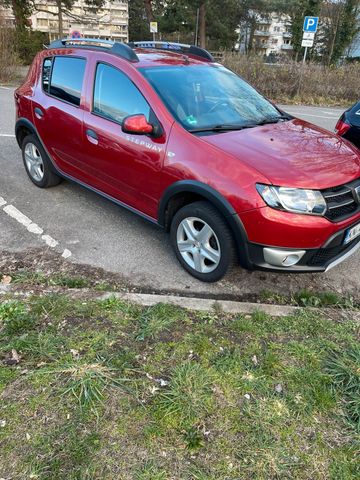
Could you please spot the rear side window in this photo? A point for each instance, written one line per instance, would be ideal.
(115, 95)
(46, 74)
(67, 75)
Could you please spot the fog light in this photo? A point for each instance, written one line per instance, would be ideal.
(282, 258)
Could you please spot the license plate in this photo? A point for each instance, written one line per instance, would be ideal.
(352, 233)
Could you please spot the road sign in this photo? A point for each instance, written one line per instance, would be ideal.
(75, 34)
(310, 24)
(307, 43)
(308, 36)
(153, 27)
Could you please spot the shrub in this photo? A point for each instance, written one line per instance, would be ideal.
(9, 60)
(311, 83)
(28, 43)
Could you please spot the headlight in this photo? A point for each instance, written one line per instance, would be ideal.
(295, 200)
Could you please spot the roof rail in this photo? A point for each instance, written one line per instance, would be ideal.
(174, 47)
(117, 48)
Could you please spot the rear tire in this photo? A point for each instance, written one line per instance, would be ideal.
(37, 163)
(202, 241)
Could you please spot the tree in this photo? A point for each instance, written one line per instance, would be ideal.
(217, 21)
(339, 22)
(138, 24)
(21, 10)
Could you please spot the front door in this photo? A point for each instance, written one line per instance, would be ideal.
(125, 166)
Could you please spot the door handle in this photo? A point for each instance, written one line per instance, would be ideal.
(38, 112)
(92, 136)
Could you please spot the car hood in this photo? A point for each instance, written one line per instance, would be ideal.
(294, 153)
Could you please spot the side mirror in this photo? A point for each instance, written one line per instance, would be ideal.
(137, 124)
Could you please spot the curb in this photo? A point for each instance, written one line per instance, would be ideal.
(190, 303)
(202, 304)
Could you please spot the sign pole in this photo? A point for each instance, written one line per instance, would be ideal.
(305, 53)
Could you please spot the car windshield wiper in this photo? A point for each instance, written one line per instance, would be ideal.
(274, 119)
(224, 127)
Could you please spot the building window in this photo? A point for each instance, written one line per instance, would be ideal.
(42, 22)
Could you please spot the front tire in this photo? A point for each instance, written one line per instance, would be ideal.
(202, 241)
(37, 164)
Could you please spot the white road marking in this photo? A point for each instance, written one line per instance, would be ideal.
(31, 227)
(302, 114)
(5, 88)
(34, 228)
(335, 114)
(51, 242)
(66, 253)
(15, 213)
(7, 135)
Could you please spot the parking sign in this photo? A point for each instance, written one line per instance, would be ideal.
(311, 24)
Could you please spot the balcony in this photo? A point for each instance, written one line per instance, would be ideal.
(263, 46)
(261, 33)
(287, 46)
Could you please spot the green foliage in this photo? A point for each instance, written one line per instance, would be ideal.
(88, 382)
(150, 471)
(344, 369)
(15, 317)
(220, 396)
(157, 319)
(28, 43)
(188, 396)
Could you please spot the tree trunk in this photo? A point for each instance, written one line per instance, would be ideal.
(60, 18)
(335, 32)
(148, 11)
(253, 25)
(19, 14)
(202, 25)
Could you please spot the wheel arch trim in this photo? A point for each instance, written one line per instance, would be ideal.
(219, 202)
(24, 122)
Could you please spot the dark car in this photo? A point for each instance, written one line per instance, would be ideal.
(348, 125)
(165, 131)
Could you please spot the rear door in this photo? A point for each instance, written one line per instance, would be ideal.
(58, 111)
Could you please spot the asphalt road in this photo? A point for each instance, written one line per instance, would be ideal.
(98, 233)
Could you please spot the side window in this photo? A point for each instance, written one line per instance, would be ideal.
(46, 72)
(67, 78)
(115, 96)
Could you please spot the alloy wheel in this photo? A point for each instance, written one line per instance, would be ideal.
(34, 162)
(198, 245)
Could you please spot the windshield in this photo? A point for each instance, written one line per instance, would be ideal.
(203, 97)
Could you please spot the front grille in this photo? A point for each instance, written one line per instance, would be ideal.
(325, 255)
(341, 201)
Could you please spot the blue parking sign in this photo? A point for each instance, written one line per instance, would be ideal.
(311, 24)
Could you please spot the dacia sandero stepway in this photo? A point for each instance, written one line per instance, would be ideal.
(165, 131)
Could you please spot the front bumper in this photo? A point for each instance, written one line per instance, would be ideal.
(313, 260)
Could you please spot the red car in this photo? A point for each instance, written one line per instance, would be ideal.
(166, 132)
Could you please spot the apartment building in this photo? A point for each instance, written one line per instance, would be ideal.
(272, 35)
(110, 22)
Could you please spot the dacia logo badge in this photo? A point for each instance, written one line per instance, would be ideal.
(357, 193)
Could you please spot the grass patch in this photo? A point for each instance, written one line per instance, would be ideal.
(344, 369)
(110, 390)
(307, 298)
